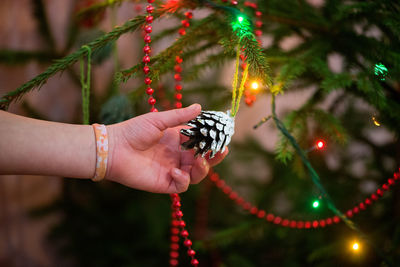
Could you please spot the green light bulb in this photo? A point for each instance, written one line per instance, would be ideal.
(315, 204)
(380, 71)
(241, 25)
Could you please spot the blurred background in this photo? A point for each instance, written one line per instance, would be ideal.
(322, 53)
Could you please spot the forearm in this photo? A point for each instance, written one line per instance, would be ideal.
(29, 146)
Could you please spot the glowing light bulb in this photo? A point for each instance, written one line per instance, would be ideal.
(380, 71)
(355, 246)
(241, 25)
(315, 204)
(320, 144)
(376, 122)
(255, 86)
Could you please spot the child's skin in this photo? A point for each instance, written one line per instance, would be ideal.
(144, 152)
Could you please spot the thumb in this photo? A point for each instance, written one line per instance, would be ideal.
(175, 117)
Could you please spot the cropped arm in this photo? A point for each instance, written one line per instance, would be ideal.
(30, 146)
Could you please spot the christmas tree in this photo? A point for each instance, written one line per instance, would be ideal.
(311, 176)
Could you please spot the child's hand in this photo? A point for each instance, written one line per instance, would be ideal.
(145, 153)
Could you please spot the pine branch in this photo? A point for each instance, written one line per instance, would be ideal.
(391, 109)
(165, 60)
(20, 57)
(291, 70)
(71, 34)
(314, 176)
(258, 65)
(67, 61)
(317, 181)
(157, 70)
(165, 33)
(207, 89)
(199, 31)
(98, 7)
(212, 61)
(297, 23)
(40, 13)
(231, 235)
(231, 33)
(297, 124)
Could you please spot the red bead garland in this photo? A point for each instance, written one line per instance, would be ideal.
(175, 224)
(147, 29)
(221, 184)
(178, 61)
(178, 224)
(178, 230)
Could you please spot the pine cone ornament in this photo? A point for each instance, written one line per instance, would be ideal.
(211, 130)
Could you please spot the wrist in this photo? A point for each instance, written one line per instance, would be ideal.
(121, 167)
(111, 150)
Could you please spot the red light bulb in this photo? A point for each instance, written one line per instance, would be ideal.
(320, 144)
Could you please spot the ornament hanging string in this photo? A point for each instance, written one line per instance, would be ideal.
(85, 83)
(235, 80)
(238, 92)
(241, 88)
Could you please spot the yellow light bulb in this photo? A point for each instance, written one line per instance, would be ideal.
(355, 246)
(376, 122)
(254, 85)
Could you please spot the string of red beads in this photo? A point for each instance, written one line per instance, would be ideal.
(178, 224)
(146, 58)
(258, 24)
(178, 230)
(178, 62)
(269, 217)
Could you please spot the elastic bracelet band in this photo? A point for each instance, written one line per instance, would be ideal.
(100, 133)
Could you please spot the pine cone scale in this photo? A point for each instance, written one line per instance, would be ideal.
(211, 130)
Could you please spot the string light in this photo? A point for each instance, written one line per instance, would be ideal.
(241, 26)
(376, 122)
(320, 144)
(255, 86)
(355, 246)
(381, 71)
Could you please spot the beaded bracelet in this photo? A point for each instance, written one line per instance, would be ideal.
(100, 133)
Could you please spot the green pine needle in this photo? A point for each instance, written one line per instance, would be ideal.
(64, 63)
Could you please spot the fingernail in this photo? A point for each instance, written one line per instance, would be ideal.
(195, 107)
